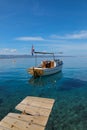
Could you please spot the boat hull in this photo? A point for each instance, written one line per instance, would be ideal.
(36, 72)
(52, 70)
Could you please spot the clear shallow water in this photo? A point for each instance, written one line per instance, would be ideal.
(68, 88)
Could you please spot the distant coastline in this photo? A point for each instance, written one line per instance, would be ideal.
(27, 56)
(14, 56)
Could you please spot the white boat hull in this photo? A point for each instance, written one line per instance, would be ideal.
(35, 71)
(52, 70)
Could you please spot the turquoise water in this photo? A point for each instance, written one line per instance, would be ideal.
(68, 88)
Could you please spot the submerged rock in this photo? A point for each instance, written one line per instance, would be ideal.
(69, 84)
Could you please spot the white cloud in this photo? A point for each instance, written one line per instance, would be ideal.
(13, 50)
(56, 38)
(79, 35)
(30, 39)
(7, 51)
(40, 39)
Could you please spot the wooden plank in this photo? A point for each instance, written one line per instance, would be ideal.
(33, 110)
(39, 120)
(15, 124)
(3, 128)
(36, 106)
(46, 100)
(40, 108)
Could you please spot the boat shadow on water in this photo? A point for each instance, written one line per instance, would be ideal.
(45, 80)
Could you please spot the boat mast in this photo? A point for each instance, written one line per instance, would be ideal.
(32, 50)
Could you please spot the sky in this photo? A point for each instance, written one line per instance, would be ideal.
(49, 25)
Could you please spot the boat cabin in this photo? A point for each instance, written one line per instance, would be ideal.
(48, 64)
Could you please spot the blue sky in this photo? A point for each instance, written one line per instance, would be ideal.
(48, 25)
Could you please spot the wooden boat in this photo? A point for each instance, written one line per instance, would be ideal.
(46, 67)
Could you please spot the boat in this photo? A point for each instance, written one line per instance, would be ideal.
(47, 67)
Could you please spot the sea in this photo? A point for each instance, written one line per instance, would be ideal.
(68, 88)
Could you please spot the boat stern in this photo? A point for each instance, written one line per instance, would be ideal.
(36, 72)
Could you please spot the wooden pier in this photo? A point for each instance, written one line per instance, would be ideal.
(34, 115)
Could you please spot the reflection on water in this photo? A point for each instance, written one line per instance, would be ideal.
(45, 80)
